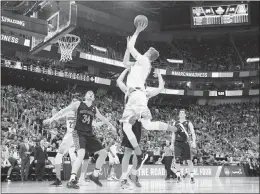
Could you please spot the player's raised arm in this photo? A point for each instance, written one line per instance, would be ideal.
(191, 127)
(157, 91)
(104, 119)
(120, 81)
(131, 42)
(62, 113)
(126, 61)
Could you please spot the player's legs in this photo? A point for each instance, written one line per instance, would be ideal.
(113, 163)
(125, 162)
(94, 146)
(178, 150)
(156, 125)
(66, 143)
(80, 144)
(84, 168)
(187, 156)
(127, 128)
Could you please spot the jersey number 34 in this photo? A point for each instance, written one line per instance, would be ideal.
(86, 119)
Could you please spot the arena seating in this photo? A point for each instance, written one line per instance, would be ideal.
(209, 54)
(215, 136)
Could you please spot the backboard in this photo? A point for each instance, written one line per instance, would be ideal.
(61, 17)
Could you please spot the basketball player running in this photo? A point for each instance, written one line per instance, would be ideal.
(181, 140)
(83, 136)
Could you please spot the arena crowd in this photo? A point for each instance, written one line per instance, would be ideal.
(225, 137)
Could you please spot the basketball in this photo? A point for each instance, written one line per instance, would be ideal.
(140, 18)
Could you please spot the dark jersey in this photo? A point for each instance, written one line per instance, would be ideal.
(180, 135)
(85, 117)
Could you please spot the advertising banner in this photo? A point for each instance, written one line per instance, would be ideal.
(189, 74)
(232, 171)
(23, 24)
(158, 171)
(15, 40)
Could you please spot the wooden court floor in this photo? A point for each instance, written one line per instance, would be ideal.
(202, 185)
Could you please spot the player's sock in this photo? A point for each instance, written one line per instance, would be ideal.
(72, 177)
(124, 175)
(191, 175)
(178, 173)
(96, 172)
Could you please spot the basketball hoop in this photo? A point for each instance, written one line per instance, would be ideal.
(67, 44)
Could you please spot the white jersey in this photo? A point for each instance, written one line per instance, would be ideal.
(70, 121)
(113, 149)
(138, 73)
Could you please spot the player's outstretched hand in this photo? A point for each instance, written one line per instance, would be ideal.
(128, 39)
(141, 26)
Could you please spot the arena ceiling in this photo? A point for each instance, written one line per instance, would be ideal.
(124, 9)
(148, 8)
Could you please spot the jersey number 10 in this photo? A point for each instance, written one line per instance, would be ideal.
(86, 119)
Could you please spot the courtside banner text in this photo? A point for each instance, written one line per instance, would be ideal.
(189, 74)
(158, 171)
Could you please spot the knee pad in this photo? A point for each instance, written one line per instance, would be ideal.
(58, 158)
(178, 160)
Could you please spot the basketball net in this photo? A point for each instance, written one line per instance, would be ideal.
(67, 44)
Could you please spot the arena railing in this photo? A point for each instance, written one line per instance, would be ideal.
(10, 107)
(109, 82)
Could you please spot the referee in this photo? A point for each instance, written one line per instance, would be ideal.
(168, 157)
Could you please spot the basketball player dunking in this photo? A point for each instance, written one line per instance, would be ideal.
(181, 140)
(83, 137)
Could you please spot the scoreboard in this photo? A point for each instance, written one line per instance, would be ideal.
(220, 15)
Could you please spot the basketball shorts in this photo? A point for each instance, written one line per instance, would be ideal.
(137, 130)
(66, 144)
(136, 107)
(182, 150)
(90, 143)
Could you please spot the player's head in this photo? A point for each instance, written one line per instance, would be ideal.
(152, 54)
(90, 95)
(182, 114)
